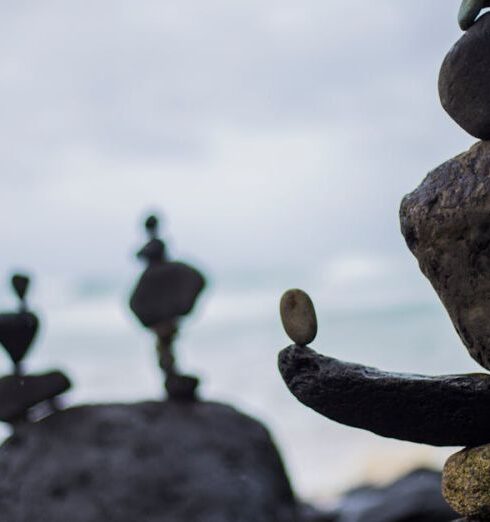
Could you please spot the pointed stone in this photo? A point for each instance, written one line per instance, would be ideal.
(17, 333)
(20, 283)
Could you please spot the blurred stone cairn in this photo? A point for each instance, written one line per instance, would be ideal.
(446, 225)
(24, 396)
(166, 291)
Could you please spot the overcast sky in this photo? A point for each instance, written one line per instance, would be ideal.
(276, 137)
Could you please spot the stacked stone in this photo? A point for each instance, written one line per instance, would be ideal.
(166, 291)
(21, 393)
(446, 224)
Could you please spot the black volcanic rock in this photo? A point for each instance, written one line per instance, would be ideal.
(446, 224)
(166, 291)
(147, 462)
(464, 80)
(442, 411)
(19, 393)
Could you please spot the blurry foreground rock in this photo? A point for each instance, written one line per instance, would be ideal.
(147, 462)
(413, 498)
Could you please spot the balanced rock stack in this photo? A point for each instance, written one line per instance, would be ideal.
(446, 225)
(20, 393)
(166, 291)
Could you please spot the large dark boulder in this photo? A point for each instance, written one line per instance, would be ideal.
(446, 224)
(147, 462)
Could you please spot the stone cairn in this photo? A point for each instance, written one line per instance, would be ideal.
(166, 291)
(446, 225)
(23, 395)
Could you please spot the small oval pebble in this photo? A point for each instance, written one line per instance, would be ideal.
(298, 317)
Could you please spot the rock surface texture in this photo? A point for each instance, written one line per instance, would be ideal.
(464, 79)
(446, 224)
(466, 482)
(148, 462)
(442, 411)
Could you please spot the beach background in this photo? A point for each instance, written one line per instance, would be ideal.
(276, 140)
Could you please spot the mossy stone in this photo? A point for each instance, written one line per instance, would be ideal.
(466, 482)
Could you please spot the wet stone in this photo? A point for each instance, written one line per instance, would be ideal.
(298, 317)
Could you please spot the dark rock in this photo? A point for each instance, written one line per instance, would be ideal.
(153, 252)
(20, 284)
(298, 317)
(442, 411)
(464, 80)
(181, 387)
(166, 291)
(149, 462)
(151, 225)
(413, 498)
(469, 11)
(19, 393)
(17, 332)
(446, 224)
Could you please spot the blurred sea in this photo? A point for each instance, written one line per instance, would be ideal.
(232, 342)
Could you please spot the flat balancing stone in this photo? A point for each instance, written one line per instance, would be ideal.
(19, 393)
(448, 410)
(17, 333)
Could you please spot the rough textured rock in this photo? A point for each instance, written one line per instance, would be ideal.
(466, 482)
(20, 393)
(464, 80)
(166, 291)
(148, 462)
(298, 317)
(17, 332)
(446, 224)
(415, 497)
(442, 411)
